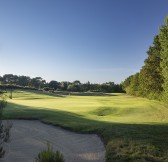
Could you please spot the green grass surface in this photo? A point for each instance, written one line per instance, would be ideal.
(132, 128)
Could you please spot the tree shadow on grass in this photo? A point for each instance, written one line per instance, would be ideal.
(85, 93)
(149, 134)
(43, 93)
(67, 93)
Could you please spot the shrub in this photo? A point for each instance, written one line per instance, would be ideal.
(4, 128)
(49, 155)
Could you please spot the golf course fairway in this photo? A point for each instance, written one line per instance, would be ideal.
(132, 128)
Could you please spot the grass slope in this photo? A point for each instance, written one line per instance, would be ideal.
(132, 128)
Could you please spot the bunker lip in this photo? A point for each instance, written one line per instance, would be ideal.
(29, 137)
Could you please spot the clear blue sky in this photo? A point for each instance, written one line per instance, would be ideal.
(86, 40)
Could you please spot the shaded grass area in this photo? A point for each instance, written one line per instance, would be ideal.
(124, 140)
(84, 93)
(32, 94)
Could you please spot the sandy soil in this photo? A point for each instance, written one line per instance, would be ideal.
(28, 138)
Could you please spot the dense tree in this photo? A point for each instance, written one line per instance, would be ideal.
(77, 82)
(95, 87)
(37, 82)
(134, 86)
(126, 84)
(23, 80)
(108, 87)
(163, 37)
(151, 79)
(1, 80)
(85, 87)
(118, 88)
(74, 87)
(10, 81)
(131, 84)
(53, 84)
(64, 85)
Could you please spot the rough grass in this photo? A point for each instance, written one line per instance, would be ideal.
(132, 128)
(49, 155)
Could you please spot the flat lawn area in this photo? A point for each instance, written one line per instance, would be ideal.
(132, 128)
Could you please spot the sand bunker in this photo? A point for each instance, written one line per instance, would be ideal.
(28, 138)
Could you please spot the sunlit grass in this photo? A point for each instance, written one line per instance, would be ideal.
(119, 108)
(132, 128)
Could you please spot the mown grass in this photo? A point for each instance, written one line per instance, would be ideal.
(132, 128)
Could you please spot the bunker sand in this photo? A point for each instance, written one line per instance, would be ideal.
(28, 138)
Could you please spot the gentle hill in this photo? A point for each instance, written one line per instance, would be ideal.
(135, 124)
(112, 108)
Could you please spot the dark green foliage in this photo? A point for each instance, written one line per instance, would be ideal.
(134, 85)
(74, 88)
(152, 81)
(11, 82)
(53, 84)
(36, 82)
(5, 87)
(108, 87)
(126, 84)
(85, 87)
(64, 85)
(131, 84)
(49, 155)
(4, 129)
(2, 105)
(163, 37)
(23, 81)
(148, 82)
(76, 82)
(10, 78)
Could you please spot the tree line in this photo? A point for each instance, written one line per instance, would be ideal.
(152, 80)
(11, 81)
